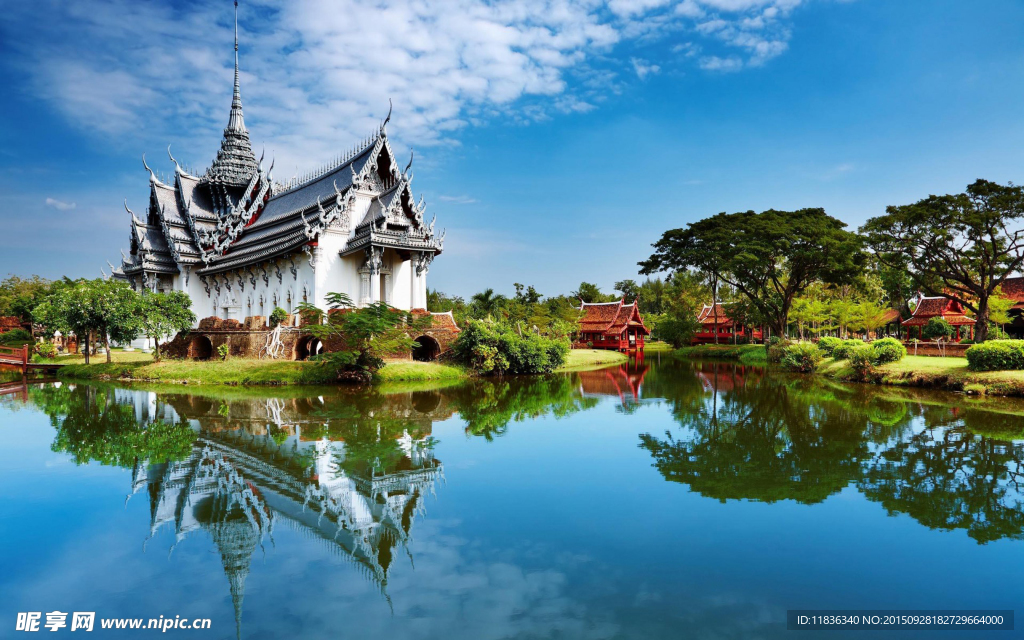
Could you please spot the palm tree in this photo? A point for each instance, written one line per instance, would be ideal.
(487, 302)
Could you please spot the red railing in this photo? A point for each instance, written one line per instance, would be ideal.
(16, 356)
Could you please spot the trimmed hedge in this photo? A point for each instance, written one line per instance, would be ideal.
(888, 350)
(828, 344)
(998, 355)
(803, 357)
(16, 338)
(842, 351)
(862, 358)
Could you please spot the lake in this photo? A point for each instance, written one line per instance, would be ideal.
(661, 499)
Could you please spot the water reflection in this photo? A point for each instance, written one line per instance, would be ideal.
(351, 470)
(744, 434)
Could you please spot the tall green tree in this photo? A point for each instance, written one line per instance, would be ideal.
(487, 303)
(117, 311)
(960, 246)
(589, 292)
(165, 314)
(19, 296)
(628, 288)
(769, 258)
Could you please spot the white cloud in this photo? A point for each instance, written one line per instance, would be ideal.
(317, 74)
(457, 199)
(644, 68)
(59, 205)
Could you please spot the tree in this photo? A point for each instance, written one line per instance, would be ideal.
(938, 329)
(117, 311)
(961, 246)
(166, 314)
(999, 307)
(367, 335)
(770, 258)
(68, 309)
(529, 296)
(589, 292)
(868, 316)
(487, 302)
(19, 296)
(629, 289)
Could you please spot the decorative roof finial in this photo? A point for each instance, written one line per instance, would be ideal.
(412, 154)
(387, 119)
(152, 176)
(177, 167)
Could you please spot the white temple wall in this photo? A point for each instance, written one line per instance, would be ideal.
(402, 284)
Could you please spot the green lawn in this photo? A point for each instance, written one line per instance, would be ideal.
(116, 355)
(942, 373)
(745, 353)
(582, 359)
(411, 371)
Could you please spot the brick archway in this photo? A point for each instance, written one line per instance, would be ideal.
(200, 348)
(428, 349)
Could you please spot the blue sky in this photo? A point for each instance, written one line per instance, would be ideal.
(555, 139)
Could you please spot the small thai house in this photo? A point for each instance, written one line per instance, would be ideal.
(716, 323)
(937, 307)
(612, 325)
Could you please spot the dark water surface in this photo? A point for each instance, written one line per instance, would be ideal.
(666, 499)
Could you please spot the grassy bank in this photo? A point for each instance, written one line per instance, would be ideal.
(241, 371)
(583, 359)
(411, 371)
(950, 374)
(744, 353)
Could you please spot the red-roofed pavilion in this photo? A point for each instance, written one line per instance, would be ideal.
(715, 322)
(612, 325)
(949, 310)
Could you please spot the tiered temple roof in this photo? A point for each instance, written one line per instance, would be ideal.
(235, 216)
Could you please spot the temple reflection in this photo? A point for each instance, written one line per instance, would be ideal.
(355, 484)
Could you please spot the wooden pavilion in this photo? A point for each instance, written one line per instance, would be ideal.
(716, 323)
(615, 326)
(938, 307)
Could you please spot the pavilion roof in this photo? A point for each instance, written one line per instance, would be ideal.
(611, 318)
(709, 312)
(938, 307)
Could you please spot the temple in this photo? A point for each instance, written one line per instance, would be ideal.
(240, 243)
(718, 326)
(938, 307)
(612, 325)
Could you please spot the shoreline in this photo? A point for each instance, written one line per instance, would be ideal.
(129, 367)
(925, 372)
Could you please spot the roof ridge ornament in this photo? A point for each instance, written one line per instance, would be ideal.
(152, 176)
(391, 106)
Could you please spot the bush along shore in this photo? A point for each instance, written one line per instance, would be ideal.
(991, 368)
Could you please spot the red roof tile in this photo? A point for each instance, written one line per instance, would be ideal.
(928, 308)
(1013, 288)
(610, 318)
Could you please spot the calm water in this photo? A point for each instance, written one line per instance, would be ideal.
(666, 499)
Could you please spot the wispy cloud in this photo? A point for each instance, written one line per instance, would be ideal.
(318, 74)
(457, 199)
(59, 205)
(644, 68)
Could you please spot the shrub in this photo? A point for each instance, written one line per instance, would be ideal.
(803, 357)
(223, 351)
(277, 316)
(16, 337)
(774, 349)
(828, 344)
(938, 328)
(497, 348)
(46, 350)
(862, 359)
(888, 350)
(842, 351)
(996, 356)
(995, 332)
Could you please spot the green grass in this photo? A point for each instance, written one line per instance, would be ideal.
(116, 355)
(582, 359)
(656, 345)
(411, 371)
(132, 366)
(745, 353)
(951, 374)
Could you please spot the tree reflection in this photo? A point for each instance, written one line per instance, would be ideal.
(795, 438)
(92, 425)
